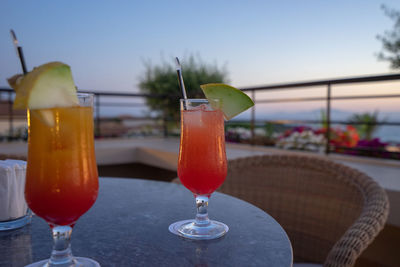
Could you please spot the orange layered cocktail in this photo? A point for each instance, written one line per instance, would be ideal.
(62, 180)
(61, 175)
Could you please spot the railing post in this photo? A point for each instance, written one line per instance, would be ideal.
(165, 118)
(10, 117)
(165, 125)
(328, 119)
(97, 99)
(253, 117)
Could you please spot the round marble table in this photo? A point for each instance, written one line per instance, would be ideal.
(128, 226)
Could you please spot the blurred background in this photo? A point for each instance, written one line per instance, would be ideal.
(128, 47)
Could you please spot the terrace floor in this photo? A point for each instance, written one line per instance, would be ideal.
(158, 156)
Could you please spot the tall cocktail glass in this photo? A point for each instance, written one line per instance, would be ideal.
(61, 178)
(202, 165)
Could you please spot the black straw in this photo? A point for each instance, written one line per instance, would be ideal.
(20, 54)
(181, 83)
(180, 78)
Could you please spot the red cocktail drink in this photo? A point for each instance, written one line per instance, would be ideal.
(202, 161)
(202, 165)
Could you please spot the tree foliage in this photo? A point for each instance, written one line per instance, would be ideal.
(162, 79)
(391, 40)
(365, 123)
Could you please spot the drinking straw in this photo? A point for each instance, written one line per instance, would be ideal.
(180, 78)
(19, 51)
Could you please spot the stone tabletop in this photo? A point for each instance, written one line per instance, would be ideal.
(128, 226)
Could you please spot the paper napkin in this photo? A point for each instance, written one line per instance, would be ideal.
(12, 186)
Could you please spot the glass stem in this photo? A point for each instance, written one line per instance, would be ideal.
(202, 214)
(61, 254)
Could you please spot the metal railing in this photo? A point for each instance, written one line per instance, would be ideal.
(328, 98)
(252, 91)
(98, 104)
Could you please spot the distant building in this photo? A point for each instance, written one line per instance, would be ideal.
(18, 118)
(5, 110)
(128, 125)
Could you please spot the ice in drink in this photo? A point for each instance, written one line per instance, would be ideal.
(202, 163)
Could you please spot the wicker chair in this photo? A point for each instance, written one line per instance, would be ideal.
(330, 212)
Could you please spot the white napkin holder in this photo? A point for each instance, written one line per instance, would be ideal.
(14, 212)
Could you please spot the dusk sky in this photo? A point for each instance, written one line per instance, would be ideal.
(258, 42)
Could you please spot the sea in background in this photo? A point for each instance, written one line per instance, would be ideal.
(386, 133)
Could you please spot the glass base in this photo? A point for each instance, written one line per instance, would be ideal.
(189, 229)
(15, 224)
(80, 262)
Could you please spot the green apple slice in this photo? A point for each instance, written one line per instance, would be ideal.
(47, 86)
(232, 101)
(46, 116)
